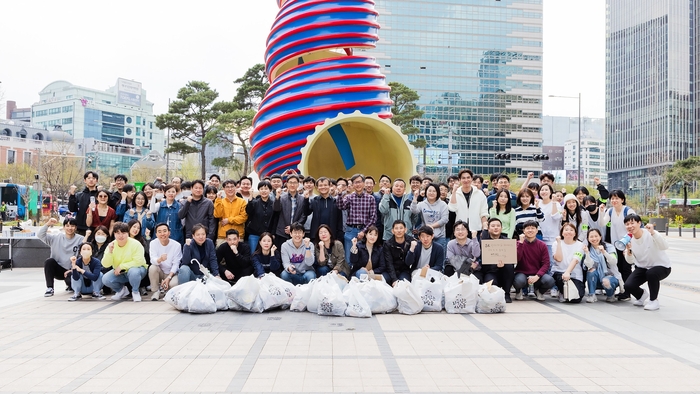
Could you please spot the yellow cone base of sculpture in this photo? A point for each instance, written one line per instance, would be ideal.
(378, 147)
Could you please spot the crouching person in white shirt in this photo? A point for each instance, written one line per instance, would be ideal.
(646, 250)
(166, 255)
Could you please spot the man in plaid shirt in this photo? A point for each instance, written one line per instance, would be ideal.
(362, 211)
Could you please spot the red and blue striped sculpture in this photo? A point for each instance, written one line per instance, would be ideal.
(327, 110)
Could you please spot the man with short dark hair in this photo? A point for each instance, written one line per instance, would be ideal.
(80, 203)
(362, 211)
(501, 274)
(276, 183)
(428, 254)
(298, 257)
(234, 258)
(115, 189)
(503, 182)
(394, 252)
(290, 207)
(198, 209)
(126, 255)
(547, 179)
(166, 255)
(469, 207)
(231, 212)
(63, 246)
(415, 183)
(215, 180)
(323, 210)
(533, 263)
(395, 205)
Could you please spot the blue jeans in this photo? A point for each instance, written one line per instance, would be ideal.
(185, 275)
(551, 263)
(321, 270)
(79, 286)
(361, 272)
(253, 242)
(595, 281)
(350, 233)
(298, 278)
(133, 276)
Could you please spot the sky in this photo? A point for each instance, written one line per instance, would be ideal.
(165, 44)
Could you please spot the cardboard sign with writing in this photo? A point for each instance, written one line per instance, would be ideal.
(493, 250)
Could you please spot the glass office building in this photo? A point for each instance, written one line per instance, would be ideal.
(477, 65)
(650, 89)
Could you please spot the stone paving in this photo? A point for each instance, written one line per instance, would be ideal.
(51, 345)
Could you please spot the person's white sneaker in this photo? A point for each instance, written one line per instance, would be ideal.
(136, 296)
(554, 293)
(540, 296)
(652, 305)
(561, 297)
(591, 298)
(121, 295)
(519, 295)
(640, 302)
(155, 296)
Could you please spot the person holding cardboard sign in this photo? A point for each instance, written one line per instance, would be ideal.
(502, 273)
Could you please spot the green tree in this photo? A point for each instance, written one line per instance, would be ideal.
(683, 171)
(405, 111)
(191, 118)
(233, 130)
(253, 85)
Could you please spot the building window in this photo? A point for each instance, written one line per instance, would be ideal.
(70, 96)
(53, 111)
(43, 112)
(11, 156)
(67, 120)
(128, 119)
(27, 158)
(150, 125)
(128, 130)
(67, 108)
(150, 136)
(138, 120)
(106, 102)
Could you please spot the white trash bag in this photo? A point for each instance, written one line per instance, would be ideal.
(431, 292)
(245, 292)
(275, 292)
(216, 288)
(357, 305)
(379, 295)
(329, 298)
(408, 297)
(177, 296)
(461, 294)
(301, 298)
(199, 300)
(492, 299)
(314, 293)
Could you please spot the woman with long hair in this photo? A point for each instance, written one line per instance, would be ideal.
(330, 254)
(138, 212)
(527, 208)
(433, 213)
(503, 211)
(266, 259)
(127, 202)
(101, 214)
(168, 213)
(136, 233)
(601, 262)
(366, 256)
(574, 214)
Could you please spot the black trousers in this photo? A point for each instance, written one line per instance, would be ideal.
(624, 267)
(560, 285)
(502, 277)
(53, 270)
(238, 273)
(653, 276)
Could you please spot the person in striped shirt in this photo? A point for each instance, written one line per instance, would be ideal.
(527, 208)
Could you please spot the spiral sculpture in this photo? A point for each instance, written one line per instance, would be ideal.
(327, 110)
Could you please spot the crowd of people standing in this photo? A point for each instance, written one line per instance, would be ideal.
(130, 242)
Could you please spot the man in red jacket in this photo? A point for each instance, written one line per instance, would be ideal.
(533, 264)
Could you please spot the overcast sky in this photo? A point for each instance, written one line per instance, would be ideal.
(165, 44)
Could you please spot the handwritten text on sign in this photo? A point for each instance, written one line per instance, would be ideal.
(495, 250)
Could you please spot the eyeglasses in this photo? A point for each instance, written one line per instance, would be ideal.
(102, 196)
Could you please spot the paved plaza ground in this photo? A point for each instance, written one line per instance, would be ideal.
(51, 345)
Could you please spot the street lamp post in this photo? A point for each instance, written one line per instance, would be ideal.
(579, 131)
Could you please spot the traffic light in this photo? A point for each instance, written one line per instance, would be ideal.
(542, 157)
(502, 156)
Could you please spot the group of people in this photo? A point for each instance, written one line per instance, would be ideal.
(300, 228)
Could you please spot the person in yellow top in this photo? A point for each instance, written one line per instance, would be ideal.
(230, 210)
(125, 255)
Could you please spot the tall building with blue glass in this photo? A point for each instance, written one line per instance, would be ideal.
(651, 89)
(477, 66)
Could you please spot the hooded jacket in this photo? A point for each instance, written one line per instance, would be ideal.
(391, 211)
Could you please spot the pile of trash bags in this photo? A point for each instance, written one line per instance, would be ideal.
(333, 295)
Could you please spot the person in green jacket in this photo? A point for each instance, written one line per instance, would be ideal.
(503, 210)
(126, 256)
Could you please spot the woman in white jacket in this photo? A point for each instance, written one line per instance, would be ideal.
(433, 212)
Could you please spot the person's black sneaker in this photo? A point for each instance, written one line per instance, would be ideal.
(623, 296)
(69, 288)
(75, 297)
(508, 300)
(49, 292)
